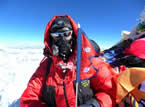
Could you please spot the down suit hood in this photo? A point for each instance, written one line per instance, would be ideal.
(87, 50)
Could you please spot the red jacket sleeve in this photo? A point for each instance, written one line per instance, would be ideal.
(103, 85)
(31, 95)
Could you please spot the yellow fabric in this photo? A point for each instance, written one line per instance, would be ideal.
(128, 82)
(136, 104)
(133, 102)
(142, 30)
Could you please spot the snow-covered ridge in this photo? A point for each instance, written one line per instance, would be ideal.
(16, 67)
(142, 16)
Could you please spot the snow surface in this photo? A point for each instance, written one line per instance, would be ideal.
(16, 67)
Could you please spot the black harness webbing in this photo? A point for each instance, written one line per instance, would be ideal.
(48, 92)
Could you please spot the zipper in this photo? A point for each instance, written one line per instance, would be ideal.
(65, 95)
(65, 91)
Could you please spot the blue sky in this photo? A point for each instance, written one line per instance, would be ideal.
(24, 21)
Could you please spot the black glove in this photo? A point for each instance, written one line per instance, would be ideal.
(91, 103)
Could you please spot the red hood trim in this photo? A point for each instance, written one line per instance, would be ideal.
(47, 33)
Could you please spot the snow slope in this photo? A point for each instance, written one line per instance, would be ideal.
(16, 67)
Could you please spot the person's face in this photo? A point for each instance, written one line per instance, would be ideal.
(62, 43)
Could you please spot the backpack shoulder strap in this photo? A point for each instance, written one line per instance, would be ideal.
(45, 92)
(48, 69)
(48, 92)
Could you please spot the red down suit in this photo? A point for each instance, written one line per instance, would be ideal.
(101, 82)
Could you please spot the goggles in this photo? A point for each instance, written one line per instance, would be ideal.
(66, 34)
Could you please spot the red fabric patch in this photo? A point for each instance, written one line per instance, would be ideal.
(137, 48)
